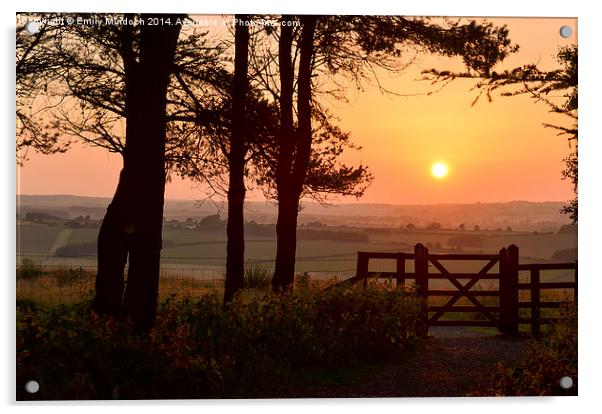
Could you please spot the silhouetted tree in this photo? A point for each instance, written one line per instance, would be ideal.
(293, 161)
(36, 68)
(236, 163)
(351, 45)
(131, 228)
(433, 226)
(107, 74)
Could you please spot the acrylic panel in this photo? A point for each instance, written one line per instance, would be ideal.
(295, 206)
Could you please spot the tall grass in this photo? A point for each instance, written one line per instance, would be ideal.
(68, 286)
(28, 270)
(257, 276)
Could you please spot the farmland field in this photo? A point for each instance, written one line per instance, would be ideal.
(206, 249)
(36, 238)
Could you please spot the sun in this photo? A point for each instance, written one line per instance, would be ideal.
(439, 170)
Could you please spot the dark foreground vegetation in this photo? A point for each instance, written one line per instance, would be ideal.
(260, 345)
(547, 361)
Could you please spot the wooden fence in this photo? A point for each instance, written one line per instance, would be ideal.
(504, 314)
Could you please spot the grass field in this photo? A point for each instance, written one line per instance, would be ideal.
(36, 238)
(193, 261)
(206, 249)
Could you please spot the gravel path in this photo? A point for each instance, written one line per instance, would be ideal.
(449, 363)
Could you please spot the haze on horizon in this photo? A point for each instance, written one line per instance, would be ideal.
(496, 151)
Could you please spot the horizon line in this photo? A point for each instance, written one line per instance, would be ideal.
(327, 204)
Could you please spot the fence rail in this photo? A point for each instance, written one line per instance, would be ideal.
(505, 315)
(535, 286)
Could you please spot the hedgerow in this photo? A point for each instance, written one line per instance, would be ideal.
(201, 349)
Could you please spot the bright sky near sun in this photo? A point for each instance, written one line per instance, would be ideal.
(492, 151)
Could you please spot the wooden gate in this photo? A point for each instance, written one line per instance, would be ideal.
(463, 283)
(497, 306)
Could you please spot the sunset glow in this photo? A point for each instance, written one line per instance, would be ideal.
(400, 136)
(439, 170)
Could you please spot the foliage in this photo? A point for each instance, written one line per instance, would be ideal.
(71, 86)
(201, 349)
(545, 363)
(433, 226)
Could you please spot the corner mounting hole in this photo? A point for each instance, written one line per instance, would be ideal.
(566, 31)
(566, 382)
(32, 387)
(32, 27)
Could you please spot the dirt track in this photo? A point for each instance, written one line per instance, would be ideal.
(449, 363)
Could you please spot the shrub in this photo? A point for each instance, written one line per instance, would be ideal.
(303, 283)
(201, 349)
(545, 363)
(74, 354)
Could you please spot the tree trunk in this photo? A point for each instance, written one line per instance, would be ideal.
(112, 254)
(293, 168)
(304, 109)
(141, 293)
(135, 217)
(113, 246)
(236, 161)
(148, 116)
(286, 243)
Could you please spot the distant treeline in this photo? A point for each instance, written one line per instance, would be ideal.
(79, 249)
(46, 218)
(269, 230)
(565, 255)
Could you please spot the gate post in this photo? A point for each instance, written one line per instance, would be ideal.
(535, 303)
(421, 268)
(509, 290)
(362, 267)
(401, 271)
(512, 275)
(504, 292)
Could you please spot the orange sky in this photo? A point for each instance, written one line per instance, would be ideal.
(495, 151)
